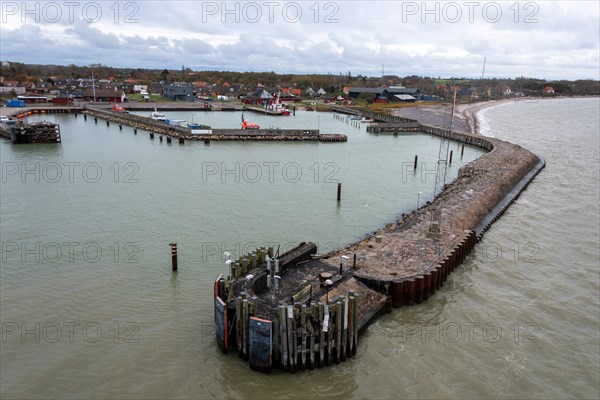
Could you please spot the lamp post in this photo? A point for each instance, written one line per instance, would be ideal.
(344, 263)
(328, 284)
(228, 262)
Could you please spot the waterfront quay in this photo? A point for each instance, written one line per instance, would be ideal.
(302, 310)
(106, 115)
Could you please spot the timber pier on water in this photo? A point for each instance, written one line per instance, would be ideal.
(203, 132)
(206, 133)
(299, 310)
(19, 131)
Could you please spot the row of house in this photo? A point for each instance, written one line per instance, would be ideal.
(390, 94)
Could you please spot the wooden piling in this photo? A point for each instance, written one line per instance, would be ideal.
(290, 337)
(344, 326)
(351, 326)
(462, 151)
(303, 333)
(321, 335)
(416, 161)
(314, 334)
(245, 321)
(173, 256)
(338, 331)
(339, 191)
(276, 341)
(450, 161)
(283, 337)
(238, 324)
(355, 317)
(330, 332)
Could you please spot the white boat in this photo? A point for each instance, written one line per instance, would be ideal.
(158, 116)
(278, 108)
(7, 122)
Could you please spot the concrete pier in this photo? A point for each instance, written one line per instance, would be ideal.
(399, 265)
(205, 132)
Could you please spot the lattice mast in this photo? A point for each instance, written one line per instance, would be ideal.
(435, 224)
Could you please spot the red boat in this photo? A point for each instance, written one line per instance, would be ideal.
(278, 107)
(249, 125)
(118, 108)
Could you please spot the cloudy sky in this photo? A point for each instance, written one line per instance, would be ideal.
(549, 40)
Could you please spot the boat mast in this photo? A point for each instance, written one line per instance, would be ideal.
(93, 87)
(435, 224)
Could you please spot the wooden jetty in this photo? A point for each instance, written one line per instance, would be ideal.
(295, 312)
(382, 123)
(23, 133)
(206, 133)
(291, 311)
(390, 127)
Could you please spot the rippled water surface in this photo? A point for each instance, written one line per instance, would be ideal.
(94, 311)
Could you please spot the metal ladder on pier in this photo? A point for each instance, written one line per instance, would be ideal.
(435, 224)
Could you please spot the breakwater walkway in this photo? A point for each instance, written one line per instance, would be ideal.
(273, 311)
(206, 133)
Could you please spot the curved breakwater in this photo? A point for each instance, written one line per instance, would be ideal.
(402, 264)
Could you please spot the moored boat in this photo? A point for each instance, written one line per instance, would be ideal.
(158, 116)
(118, 108)
(249, 125)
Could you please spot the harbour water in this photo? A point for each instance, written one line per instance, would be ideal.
(90, 308)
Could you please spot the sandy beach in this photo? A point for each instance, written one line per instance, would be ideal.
(465, 119)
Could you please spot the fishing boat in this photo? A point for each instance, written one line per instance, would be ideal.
(118, 108)
(278, 108)
(158, 116)
(249, 125)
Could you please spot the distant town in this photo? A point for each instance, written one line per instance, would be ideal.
(64, 85)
